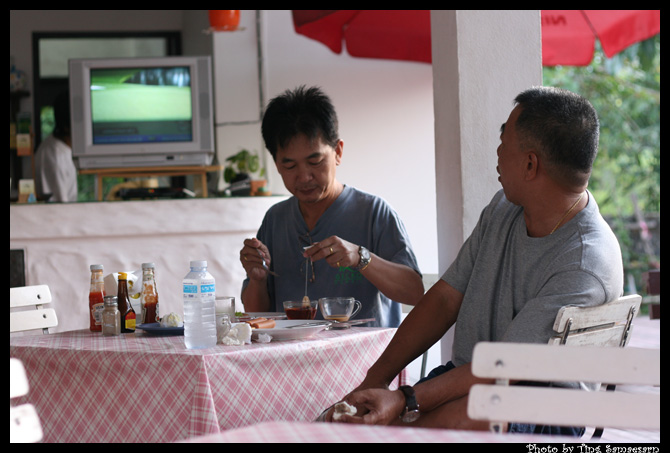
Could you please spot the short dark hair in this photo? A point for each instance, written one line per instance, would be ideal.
(307, 111)
(564, 128)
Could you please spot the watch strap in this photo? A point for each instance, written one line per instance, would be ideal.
(410, 398)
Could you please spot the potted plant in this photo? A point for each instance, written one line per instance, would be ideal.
(242, 167)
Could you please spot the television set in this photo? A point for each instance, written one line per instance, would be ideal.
(139, 112)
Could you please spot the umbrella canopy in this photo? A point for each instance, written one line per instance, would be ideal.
(568, 37)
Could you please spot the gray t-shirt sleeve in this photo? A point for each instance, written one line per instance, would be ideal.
(513, 285)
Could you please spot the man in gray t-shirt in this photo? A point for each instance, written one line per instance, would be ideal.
(359, 246)
(539, 245)
(513, 288)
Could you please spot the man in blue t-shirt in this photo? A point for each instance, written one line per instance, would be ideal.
(328, 239)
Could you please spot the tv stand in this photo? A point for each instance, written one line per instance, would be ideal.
(143, 172)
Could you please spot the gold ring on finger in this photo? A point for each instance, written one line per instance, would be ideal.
(331, 250)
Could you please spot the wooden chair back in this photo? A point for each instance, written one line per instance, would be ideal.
(40, 317)
(500, 402)
(608, 324)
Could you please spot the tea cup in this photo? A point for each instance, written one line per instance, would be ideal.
(296, 309)
(339, 309)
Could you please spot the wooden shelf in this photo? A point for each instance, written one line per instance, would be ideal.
(139, 172)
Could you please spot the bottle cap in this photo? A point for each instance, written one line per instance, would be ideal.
(147, 265)
(96, 267)
(123, 276)
(199, 263)
(111, 300)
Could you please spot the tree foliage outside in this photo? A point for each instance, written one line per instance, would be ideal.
(626, 180)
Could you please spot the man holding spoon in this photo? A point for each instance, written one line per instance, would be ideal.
(342, 241)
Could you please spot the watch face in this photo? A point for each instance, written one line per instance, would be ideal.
(365, 254)
(411, 416)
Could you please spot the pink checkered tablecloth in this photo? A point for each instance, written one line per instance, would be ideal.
(144, 388)
(303, 432)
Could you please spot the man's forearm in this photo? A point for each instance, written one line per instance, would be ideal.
(255, 296)
(428, 321)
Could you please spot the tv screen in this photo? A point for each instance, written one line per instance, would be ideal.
(141, 105)
(142, 112)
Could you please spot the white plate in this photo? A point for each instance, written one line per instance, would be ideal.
(268, 315)
(281, 331)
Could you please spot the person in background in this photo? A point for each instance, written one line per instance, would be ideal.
(539, 245)
(55, 171)
(358, 245)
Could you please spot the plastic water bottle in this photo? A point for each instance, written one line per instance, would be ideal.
(199, 307)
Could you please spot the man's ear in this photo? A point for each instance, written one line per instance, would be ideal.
(532, 166)
(339, 149)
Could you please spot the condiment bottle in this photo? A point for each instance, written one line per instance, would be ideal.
(111, 318)
(95, 297)
(149, 294)
(125, 308)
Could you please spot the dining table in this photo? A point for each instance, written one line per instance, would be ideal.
(277, 432)
(143, 387)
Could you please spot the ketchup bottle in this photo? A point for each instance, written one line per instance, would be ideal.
(96, 298)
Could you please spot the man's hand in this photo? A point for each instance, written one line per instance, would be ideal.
(375, 407)
(336, 251)
(252, 256)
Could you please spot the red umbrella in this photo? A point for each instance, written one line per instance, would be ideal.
(568, 37)
(388, 34)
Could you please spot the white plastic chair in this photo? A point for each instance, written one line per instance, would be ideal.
(24, 425)
(40, 317)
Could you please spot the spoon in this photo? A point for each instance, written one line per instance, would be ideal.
(265, 266)
(305, 300)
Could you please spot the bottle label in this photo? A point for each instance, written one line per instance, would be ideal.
(207, 288)
(96, 311)
(130, 321)
(190, 289)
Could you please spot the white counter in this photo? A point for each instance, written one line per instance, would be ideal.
(61, 241)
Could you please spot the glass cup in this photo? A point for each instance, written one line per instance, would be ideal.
(297, 309)
(223, 325)
(339, 309)
(226, 304)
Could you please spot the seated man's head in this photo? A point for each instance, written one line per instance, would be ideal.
(300, 129)
(563, 128)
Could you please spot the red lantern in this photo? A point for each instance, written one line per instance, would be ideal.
(224, 19)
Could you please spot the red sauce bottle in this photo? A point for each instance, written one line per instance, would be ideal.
(96, 298)
(128, 316)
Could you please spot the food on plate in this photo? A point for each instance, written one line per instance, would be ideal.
(261, 323)
(172, 320)
(343, 408)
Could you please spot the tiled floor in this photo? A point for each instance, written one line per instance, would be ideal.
(646, 334)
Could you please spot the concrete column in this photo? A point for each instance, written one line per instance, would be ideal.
(481, 61)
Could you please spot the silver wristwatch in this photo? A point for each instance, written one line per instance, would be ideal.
(365, 258)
